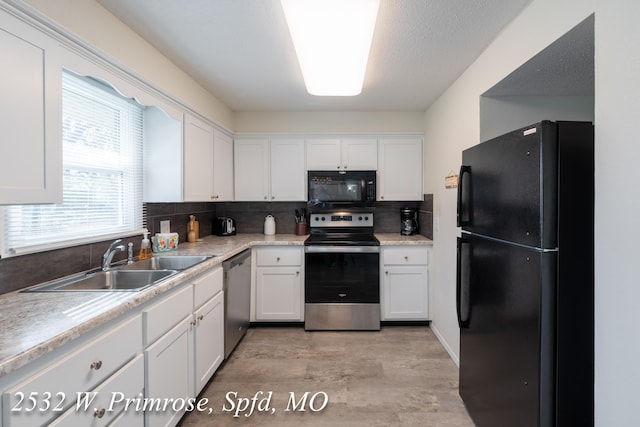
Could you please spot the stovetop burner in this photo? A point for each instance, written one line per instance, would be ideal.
(342, 229)
(353, 240)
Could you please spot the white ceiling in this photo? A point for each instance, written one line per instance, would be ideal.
(241, 51)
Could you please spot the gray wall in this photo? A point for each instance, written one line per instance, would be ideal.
(499, 115)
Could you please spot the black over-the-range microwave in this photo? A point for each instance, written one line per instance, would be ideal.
(348, 189)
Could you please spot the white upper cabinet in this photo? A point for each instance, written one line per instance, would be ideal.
(269, 170)
(287, 170)
(208, 162)
(198, 160)
(342, 154)
(360, 154)
(30, 115)
(222, 167)
(400, 169)
(162, 159)
(251, 169)
(323, 154)
(186, 160)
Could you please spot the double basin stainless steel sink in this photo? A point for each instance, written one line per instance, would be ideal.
(130, 277)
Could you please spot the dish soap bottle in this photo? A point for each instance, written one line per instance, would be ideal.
(145, 247)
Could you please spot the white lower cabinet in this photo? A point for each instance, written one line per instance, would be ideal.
(404, 294)
(279, 284)
(46, 393)
(209, 340)
(185, 338)
(166, 351)
(169, 373)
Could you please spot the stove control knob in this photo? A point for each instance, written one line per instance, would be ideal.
(317, 218)
(366, 218)
(359, 218)
(323, 218)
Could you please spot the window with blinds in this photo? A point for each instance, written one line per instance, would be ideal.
(102, 173)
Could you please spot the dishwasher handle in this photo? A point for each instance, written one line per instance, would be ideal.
(237, 260)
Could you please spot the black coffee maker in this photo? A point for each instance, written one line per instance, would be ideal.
(408, 221)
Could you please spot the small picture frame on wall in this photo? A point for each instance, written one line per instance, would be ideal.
(451, 180)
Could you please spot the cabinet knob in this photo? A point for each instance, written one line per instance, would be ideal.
(273, 197)
(278, 259)
(265, 197)
(201, 317)
(192, 323)
(297, 273)
(406, 258)
(96, 365)
(99, 413)
(386, 272)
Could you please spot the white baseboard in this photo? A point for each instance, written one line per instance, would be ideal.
(446, 346)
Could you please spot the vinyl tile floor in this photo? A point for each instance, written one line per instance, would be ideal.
(398, 376)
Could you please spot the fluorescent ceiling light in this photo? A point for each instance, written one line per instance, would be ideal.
(332, 39)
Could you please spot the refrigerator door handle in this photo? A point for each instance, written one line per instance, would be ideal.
(463, 276)
(463, 216)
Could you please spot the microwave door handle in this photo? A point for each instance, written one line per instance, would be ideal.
(463, 282)
(463, 216)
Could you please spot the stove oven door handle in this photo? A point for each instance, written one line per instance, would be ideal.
(342, 249)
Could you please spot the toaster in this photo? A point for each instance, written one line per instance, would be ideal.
(224, 226)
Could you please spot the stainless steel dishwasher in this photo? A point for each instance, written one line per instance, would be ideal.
(237, 299)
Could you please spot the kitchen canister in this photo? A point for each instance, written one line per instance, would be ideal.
(269, 225)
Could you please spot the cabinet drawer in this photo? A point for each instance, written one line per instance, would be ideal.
(80, 370)
(161, 317)
(207, 286)
(127, 383)
(402, 255)
(278, 256)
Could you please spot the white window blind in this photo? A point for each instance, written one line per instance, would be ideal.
(102, 173)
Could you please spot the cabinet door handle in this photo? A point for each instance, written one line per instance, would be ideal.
(96, 365)
(99, 413)
(342, 295)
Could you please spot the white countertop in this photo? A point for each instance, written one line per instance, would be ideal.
(33, 324)
(388, 239)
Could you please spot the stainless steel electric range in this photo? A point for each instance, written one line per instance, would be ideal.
(342, 272)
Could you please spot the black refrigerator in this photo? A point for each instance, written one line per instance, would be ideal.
(525, 277)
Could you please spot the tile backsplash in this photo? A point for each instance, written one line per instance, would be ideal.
(27, 270)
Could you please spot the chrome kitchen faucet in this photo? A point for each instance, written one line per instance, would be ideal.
(109, 253)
